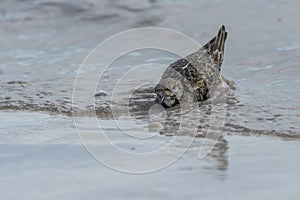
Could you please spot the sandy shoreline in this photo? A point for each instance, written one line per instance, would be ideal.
(43, 43)
(248, 168)
(68, 171)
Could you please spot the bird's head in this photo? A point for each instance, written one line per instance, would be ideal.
(169, 92)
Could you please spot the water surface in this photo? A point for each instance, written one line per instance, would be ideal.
(43, 44)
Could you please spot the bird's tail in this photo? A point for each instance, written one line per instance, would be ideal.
(216, 46)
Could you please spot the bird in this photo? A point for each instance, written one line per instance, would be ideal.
(190, 79)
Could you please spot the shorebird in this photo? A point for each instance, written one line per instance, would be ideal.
(190, 79)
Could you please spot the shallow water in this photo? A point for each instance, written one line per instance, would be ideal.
(41, 54)
(41, 157)
(43, 44)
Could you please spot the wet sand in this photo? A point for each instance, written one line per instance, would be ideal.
(239, 167)
(42, 47)
(44, 44)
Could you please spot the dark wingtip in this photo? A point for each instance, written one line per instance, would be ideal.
(218, 41)
(222, 29)
(216, 46)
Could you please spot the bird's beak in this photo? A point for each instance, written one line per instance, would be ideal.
(162, 98)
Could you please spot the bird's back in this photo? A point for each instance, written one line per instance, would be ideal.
(200, 70)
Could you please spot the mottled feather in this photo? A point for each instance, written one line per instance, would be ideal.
(190, 78)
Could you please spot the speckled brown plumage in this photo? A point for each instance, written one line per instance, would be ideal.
(190, 79)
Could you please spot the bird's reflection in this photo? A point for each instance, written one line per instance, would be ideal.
(217, 160)
(169, 122)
